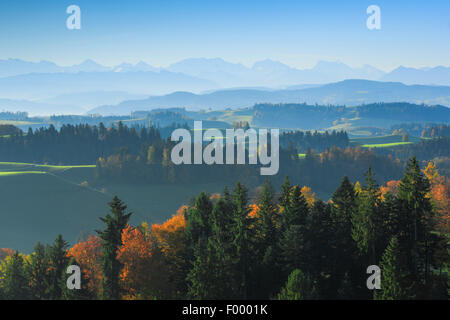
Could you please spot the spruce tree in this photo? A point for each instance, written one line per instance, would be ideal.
(198, 220)
(15, 282)
(211, 276)
(298, 209)
(112, 240)
(366, 223)
(221, 244)
(320, 239)
(58, 261)
(285, 193)
(394, 274)
(242, 237)
(266, 218)
(202, 283)
(38, 270)
(266, 246)
(416, 220)
(343, 245)
(299, 286)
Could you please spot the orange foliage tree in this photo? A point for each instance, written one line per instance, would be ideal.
(88, 255)
(5, 252)
(169, 238)
(391, 186)
(440, 196)
(309, 195)
(136, 256)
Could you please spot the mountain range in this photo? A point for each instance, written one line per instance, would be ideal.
(226, 74)
(47, 88)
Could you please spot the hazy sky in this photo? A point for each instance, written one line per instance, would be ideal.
(299, 33)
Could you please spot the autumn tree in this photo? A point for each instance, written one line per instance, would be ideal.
(135, 255)
(170, 238)
(88, 255)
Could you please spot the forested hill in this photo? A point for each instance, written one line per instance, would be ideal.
(314, 116)
(348, 92)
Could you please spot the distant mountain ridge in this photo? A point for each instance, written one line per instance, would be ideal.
(262, 73)
(347, 92)
(89, 84)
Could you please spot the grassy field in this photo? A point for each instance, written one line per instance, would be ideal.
(388, 141)
(382, 140)
(385, 145)
(17, 122)
(7, 165)
(40, 201)
(16, 173)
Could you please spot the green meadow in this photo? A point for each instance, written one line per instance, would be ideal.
(16, 173)
(39, 201)
(387, 141)
(385, 145)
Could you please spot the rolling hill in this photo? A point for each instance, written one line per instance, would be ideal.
(348, 92)
(38, 202)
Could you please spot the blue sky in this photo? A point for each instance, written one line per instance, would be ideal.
(299, 33)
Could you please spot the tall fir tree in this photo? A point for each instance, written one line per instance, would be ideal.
(211, 275)
(15, 282)
(112, 240)
(58, 261)
(38, 270)
(416, 221)
(242, 232)
(285, 193)
(395, 279)
(343, 245)
(198, 220)
(320, 238)
(299, 286)
(266, 245)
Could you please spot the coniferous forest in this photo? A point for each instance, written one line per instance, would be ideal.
(281, 243)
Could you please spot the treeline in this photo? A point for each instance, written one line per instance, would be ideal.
(437, 131)
(284, 245)
(15, 116)
(296, 115)
(8, 130)
(142, 155)
(321, 171)
(424, 150)
(319, 142)
(403, 111)
(76, 144)
(424, 130)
